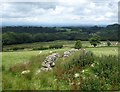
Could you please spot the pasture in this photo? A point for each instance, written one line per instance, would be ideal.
(47, 81)
(66, 44)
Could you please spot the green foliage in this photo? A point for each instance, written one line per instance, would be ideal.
(78, 44)
(81, 60)
(15, 38)
(55, 46)
(107, 69)
(90, 83)
(108, 43)
(86, 58)
(94, 40)
(17, 48)
(103, 76)
(19, 34)
(40, 48)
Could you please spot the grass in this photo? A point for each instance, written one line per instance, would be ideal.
(11, 58)
(66, 44)
(48, 80)
(104, 50)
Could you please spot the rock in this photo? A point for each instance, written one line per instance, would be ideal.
(68, 53)
(52, 64)
(49, 62)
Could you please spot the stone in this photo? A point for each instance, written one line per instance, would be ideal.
(48, 63)
(52, 64)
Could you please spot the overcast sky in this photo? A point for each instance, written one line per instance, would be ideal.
(60, 12)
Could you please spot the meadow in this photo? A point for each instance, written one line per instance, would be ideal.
(62, 76)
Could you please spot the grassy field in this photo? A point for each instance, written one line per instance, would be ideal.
(11, 58)
(66, 44)
(47, 80)
(104, 50)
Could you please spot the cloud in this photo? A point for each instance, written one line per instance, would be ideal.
(60, 12)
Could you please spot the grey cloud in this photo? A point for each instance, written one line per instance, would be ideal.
(24, 9)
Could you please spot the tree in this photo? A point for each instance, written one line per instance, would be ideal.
(108, 43)
(78, 44)
(94, 40)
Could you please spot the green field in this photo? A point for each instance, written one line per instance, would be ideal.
(66, 44)
(13, 58)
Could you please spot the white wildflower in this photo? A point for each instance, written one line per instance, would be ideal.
(71, 83)
(95, 75)
(83, 71)
(38, 71)
(55, 79)
(50, 51)
(83, 77)
(77, 75)
(25, 72)
(40, 52)
(78, 83)
(92, 65)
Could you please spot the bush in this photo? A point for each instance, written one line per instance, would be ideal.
(86, 58)
(3, 68)
(56, 46)
(17, 48)
(103, 75)
(80, 60)
(108, 71)
(78, 44)
(40, 48)
(108, 43)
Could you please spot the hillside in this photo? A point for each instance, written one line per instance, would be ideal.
(18, 34)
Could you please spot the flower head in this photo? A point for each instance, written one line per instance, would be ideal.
(77, 75)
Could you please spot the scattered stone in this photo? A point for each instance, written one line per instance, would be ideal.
(68, 53)
(49, 62)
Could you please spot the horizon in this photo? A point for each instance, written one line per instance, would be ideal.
(59, 13)
(60, 26)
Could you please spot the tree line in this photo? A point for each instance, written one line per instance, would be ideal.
(19, 35)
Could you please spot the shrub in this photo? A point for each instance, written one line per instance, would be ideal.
(90, 83)
(14, 48)
(17, 48)
(94, 40)
(40, 48)
(86, 58)
(3, 68)
(108, 43)
(108, 71)
(80, 59)
(78, 44)
(56, 46)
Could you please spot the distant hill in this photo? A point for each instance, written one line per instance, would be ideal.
(28, 34)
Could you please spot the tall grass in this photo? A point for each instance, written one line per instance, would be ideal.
(94, 73)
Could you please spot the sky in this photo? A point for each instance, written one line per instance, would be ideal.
(58, 12)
